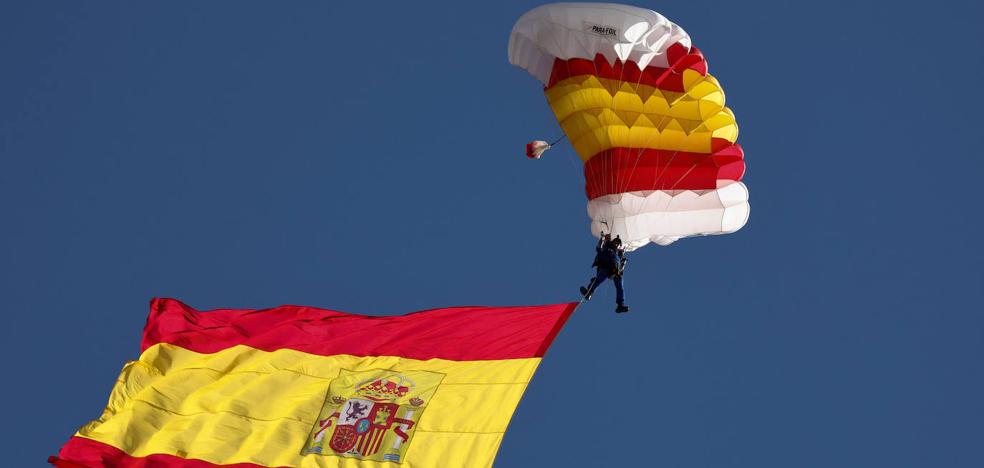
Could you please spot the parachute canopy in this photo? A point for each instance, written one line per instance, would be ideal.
(650, 124)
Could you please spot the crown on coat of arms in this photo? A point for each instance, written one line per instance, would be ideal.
(383, 389)
(337, 399)
(416, 401)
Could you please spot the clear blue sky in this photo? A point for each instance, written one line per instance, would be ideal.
(369, 158)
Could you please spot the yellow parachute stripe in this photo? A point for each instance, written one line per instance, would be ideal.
(602, 113)
(244, 405)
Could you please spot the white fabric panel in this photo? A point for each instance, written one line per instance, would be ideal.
(663, 217)
(583, 30)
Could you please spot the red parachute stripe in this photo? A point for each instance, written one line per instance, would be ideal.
(88, 453)
(669, 79)
(454, 333)
(620, 170)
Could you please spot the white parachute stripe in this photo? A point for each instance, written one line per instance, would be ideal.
(663, 217)
(583, 30)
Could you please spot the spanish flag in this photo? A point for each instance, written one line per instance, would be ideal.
(304, 387)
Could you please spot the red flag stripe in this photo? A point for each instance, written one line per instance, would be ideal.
(87, 453)
(454, 333)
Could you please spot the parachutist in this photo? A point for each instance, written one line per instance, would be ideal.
(610, 262)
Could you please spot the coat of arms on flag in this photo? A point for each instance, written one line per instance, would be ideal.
(371, 415)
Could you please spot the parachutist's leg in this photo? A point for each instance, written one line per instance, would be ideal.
(619, 292)
(593, 283)
(599, 278)
(619, 296)
(585, 290)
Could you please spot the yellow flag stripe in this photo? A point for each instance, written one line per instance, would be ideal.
(243, 405)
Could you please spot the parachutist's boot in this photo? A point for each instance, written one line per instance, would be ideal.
(585, 293)
(622, 308)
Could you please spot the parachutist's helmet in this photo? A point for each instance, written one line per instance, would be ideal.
(616, 242)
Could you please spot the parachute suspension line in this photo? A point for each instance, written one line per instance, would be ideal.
(615, 89)
(641, 150)
(649, 140)
(607, 183)
(599, 181)
(597, 73)
(657, 132)
(685, 174)
(628, 180)
(617, 184)
(576, 164)
(666, 166)
(621, 187)
(671, 198)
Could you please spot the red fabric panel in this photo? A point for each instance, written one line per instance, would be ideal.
(80, 452)
(454, 333)
(620, 170)
(669, 79)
